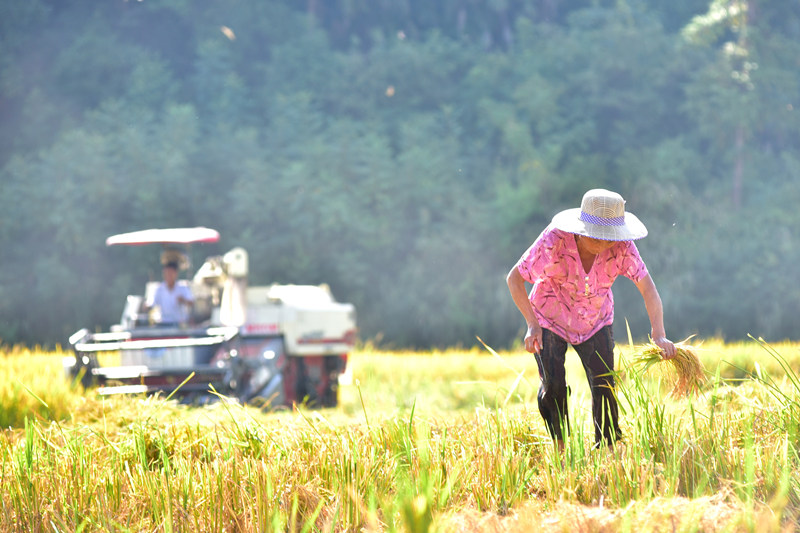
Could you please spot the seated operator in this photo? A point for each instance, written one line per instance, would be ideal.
(173, 297)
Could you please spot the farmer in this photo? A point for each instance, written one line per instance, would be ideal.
(172, 297)
(572, 265)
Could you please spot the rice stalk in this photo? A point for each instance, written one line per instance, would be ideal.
(685, 368)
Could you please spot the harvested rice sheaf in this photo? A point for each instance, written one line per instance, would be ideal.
(685, 368)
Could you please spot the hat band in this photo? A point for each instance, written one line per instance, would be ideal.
(602, 221)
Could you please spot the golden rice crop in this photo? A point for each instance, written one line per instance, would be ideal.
(685, 368)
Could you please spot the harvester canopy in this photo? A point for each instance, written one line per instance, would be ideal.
(165, 236)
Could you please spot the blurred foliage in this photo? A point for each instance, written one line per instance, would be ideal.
(405, 153)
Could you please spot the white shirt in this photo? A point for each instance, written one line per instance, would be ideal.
(168, 301)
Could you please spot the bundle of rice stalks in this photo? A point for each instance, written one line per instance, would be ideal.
(685, 368)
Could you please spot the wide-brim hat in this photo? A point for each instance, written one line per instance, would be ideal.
(601, 216)
(170, 257)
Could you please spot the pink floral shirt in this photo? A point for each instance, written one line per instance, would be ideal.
(566, 299)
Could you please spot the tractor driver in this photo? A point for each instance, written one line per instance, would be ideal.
(173, 298)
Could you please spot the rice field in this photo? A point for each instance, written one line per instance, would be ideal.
(438, 441)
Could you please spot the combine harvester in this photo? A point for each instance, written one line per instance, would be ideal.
(270, 345)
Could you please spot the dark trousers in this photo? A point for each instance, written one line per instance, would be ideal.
(597, 356)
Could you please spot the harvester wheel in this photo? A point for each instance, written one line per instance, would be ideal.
(330, 392)
(84, 364)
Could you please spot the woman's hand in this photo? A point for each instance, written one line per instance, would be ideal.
(533, 338)
(655, 311)
(668, 350)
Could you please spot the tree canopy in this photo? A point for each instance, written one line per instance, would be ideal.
(404, 153)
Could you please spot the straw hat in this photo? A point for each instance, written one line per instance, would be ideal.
(601, 216)
(175, 259)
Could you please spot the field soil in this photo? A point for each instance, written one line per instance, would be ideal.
(708, 514)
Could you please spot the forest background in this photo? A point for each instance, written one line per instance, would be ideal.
(405, 152)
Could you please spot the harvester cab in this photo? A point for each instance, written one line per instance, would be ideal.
(272, 345)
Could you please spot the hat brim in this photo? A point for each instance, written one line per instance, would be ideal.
(569, 221)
